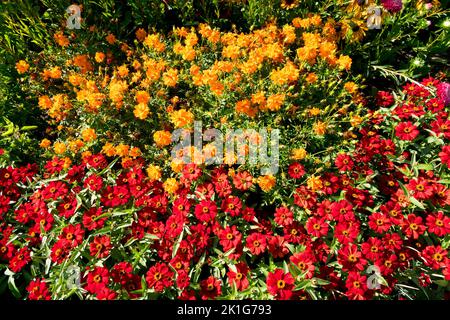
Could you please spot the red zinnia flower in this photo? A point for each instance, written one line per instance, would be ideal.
(356, 285)
(210, 288)
(38, 290)
(242, 180)
(256, 243)
(317, 227)
(93, 182)
(384, 99)
(283, 216)
(232, 205)
(97, 280)
(91, 220)
(280, 284)
(206, 211)
(379, 222)
(445, 155)
(296, 170)
(304, 261)
(159, 277)
(420, 188)
(20, 259)
(73, 233)
(412, 226)
(438, 223)
(100, 247)
(60, 251)
(343, 162)
(238, 276)
(435, 256)
(230, 238)
(406, 131)
(191, 172)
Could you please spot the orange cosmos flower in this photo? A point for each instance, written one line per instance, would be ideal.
(162, 138)
(22, 66)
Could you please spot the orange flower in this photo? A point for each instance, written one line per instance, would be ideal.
(154, 172)
(275, 101)
(22, 66)
(88, 134)
(142, 97)
(141, 111)
(311, 78)
(135, 152)
(61, 39)
(266, 183)
(314, 183)
(141, 34)
(298, 154)
(45, 143)
(99, 57)
(320, 128)
(122, 150)
(181, 118)
(171, 185)
(170, 77)
(111, 38)
(351, 87)
(45, 102)
(162, 138)
(344, 62)
(59, 147)
(109, 150)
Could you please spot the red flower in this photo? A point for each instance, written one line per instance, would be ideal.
(210, 288)
(238, 276)
(283, 216)
(159, 277)
(232, 205)
(181, 206)
(38, 290)
(121, 272)
(115, 196)
(351, 258)
(67, 208)
(379, 222)
(191, 172)
(97, 280)
(93, 182)
(206, 211)
(280, 284)
(183, 279)
(296, 170)
(304, 261)
(73, 233)
(97, 161)
(92, 220)
(230, 238)
(100, 246)
(346, 232)
(277, 246)
(406, 131)
(356, 285)
(343, 162)
(256, 243)
(372, 248)
(445, 155)
(242, 180)
(435, 257)
(438, 223)
(317, 227)
(54, 190)
(384, 99)
(412, 226)
(60, 251)
(20, 259)
(4, 204)
(420, 189)
(342, 211)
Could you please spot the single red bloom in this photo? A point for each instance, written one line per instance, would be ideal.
(280, 284)
(277, 246)
(230, 238)
(115, 196)
(181, 206)
(346, 232)
(210, 288)
(420, 188)
(97, 280)
(191, 172)
(238, 276)
(242, 180)
(296, 170)
(317, 227)
(379, 222)
(38, 290)
(283, 216)
(406, 131)
(73, 233)
(60, 251)
(93, 182)
(412, 226)
(372, 248)
(232, 205)
(304, 261)
(256, 243)
(92, 220)
(20, 259)
(121, 272)
(97, 161)
(206, 211)
(435, 256)
(438, 223)
(100, 246)
(384, 99)
(343, 162)
(356, 285)
(159, 277)
(54, 190)
(351, 258)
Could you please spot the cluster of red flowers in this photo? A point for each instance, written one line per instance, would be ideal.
(384, 204)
